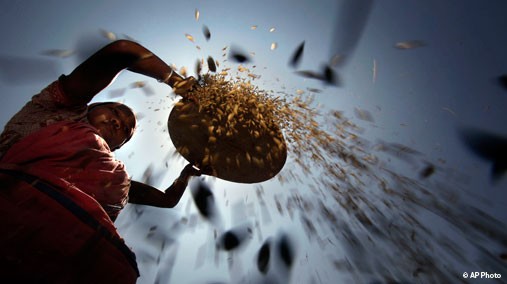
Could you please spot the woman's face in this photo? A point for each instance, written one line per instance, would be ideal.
(114, 123)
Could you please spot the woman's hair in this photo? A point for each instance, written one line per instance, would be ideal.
(131, 123)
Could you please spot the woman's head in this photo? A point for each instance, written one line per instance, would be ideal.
(115, 122)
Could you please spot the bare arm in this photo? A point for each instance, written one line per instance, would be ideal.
(141, 193)
(98, 71)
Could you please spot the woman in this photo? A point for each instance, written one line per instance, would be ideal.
(57, 150)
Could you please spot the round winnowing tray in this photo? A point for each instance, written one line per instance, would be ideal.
(247, 156)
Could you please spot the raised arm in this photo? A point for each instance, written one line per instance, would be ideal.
(99, 70)
(144, 194)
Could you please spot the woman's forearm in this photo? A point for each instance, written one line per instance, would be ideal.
(176, 190)
(98, 71)
(151, 65)
(141, 193)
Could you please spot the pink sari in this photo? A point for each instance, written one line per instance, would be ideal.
(55, 230)
(72, 153)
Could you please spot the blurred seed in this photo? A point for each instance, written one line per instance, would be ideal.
(278, 142)
(237, 161)
(274, 45)
(183, 71)
(258, 162)
(206, 32)
(62, 53)
(205, 160)
(238, 56)
(241, 68)
(314, 90)
(138, 84)
(234, 238)
(329, 75)
(286, 250)
(363, 114)
(296, 57)
(211, 64)
(253, 76)
(179, 84)
(230, 116)
(204, 199)
(271, 30)
(263, 257)
(410, 44)
(196, 15)
(253, 27)
(198, 69)
(428, 171)
(109, 35)
(230, 241)
(309, 74)
(189, 37)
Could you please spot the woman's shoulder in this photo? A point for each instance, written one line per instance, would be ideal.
(54, 96)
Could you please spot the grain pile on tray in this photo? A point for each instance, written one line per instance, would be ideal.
(236, 104)
(234, 108)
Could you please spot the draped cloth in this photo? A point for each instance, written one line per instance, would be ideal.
(50, 106)
(73, 154)
(60, 188)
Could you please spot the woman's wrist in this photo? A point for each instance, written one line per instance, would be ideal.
(167, 78)
(183, 178)
(178, 182)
